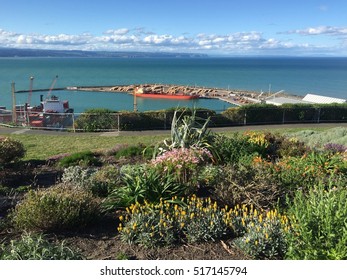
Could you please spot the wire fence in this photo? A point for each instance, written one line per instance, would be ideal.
(161, 120)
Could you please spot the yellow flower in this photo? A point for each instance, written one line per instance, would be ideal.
(182, 225)
(121, 218)
(260, 218)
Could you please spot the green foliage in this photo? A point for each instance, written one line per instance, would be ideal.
(36, 247)
(236, 148)
(187, 131)
(97, 120)
(172, 221)
(318, 139)
(105, 180)
(78, 177)
(135, 151)
(319, 225)
(10, 150)
(141, 183)
(83, 159)
(308, 171)
(54, 209)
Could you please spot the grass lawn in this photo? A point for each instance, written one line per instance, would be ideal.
(44, 146)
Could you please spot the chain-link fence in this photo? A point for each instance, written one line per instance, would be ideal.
(157, 120)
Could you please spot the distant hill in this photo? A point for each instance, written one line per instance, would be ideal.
(10, 52)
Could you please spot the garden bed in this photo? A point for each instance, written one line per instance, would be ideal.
(207, 196)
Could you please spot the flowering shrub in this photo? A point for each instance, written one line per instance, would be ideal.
(10, 150)
(185, 163)
(307, 171)
(257, 138)
(171, 221)
(263, 233)
(335, 148)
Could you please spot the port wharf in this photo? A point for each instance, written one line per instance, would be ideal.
(235, 97)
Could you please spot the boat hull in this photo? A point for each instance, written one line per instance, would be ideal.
(166, 96)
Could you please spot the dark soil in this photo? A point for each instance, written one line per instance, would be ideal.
(103, 243)
(100, 242)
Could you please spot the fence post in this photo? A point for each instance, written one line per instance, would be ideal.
(245, 118)
(319, 111)
(118, 120)
(73, 122)
(283, 117)
(165, 121)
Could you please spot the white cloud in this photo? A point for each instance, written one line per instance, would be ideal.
(139, 39)
(120, 31)
(320, 30)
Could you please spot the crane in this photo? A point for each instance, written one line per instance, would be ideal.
(30, 90)
(52, 86)
(274, 94)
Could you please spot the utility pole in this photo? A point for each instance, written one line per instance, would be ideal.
(135, 101)
(14, 113)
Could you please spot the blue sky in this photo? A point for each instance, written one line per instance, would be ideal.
(215, 27)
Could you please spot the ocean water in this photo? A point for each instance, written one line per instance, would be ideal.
(324, 76)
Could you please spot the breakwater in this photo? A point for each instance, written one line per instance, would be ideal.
(232, 96)
(237, 97)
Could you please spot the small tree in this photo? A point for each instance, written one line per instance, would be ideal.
(10, 150)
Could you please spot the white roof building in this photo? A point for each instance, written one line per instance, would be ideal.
(278, 101)
(313, 98)
(308, 99)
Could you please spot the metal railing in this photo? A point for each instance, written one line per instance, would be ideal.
(162, 120)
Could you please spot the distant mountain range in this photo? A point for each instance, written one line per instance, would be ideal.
(10, 52)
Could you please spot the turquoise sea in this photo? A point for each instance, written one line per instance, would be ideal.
(324, 76)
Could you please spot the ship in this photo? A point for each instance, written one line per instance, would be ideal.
(51, 112)
(144, 93)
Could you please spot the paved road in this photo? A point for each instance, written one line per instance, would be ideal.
(7, 130)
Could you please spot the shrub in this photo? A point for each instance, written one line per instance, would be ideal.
(209, 175)
(263, 233)
(280, 146)
(78, 177)
(250, 185)
(83, 159)
(144, 182)
(10, 150)
(96, 120)
(234, 149)
(54, 209)
(36, 247)
(308, 171)
(135, 151)
(104, 180)
(183, 163)
(187, 131)
(319, 225)
(171, 221)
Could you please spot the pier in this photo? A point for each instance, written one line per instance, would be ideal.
(236, 97)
